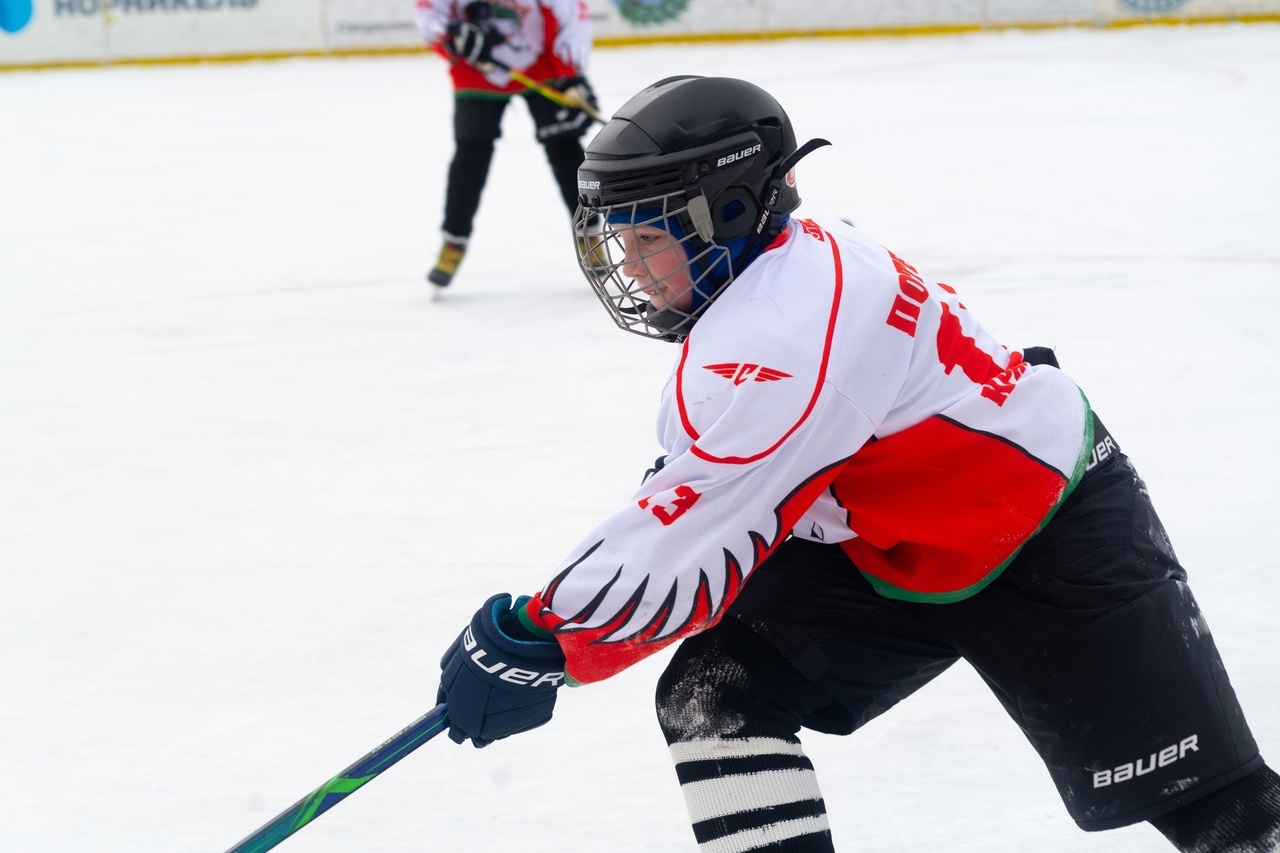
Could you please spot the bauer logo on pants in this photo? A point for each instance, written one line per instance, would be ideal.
(1143, 766)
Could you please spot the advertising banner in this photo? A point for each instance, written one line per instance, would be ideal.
(371, 23)
(61, 32)
(1187, 10)
(644, 20)
(69, 31)
(52, 31)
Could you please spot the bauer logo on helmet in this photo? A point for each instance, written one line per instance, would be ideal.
(738, 155)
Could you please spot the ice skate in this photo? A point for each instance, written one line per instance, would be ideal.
(446, 267)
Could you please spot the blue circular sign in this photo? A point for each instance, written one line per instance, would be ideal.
(14, 15)
(1152, 7)
(645, 12)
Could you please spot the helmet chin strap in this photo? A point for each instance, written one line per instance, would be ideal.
(673, 325)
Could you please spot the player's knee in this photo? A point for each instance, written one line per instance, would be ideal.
(699, 694)
(728, 682)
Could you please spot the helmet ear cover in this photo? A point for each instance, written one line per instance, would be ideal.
(717, 183)
(734, 213)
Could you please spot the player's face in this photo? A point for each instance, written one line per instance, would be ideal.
(659, 266)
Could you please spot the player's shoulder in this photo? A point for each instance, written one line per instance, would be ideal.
(770, 323)
(757, 367)
(826, 247)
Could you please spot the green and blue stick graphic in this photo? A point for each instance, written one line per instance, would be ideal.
(336, 789)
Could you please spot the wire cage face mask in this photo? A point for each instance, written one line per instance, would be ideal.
(652, 277)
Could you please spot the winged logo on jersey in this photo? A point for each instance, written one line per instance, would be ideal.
(620, 615)
(746, 372)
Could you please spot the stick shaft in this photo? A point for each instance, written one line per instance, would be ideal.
(547, 92)
(336, 789)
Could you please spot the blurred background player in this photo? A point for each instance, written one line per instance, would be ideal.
(548, 41)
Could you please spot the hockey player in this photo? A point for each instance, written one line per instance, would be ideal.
(549, 41)
(860, 487)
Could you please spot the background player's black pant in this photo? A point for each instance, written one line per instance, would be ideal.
(1090, 639)
(477, 125)
(468, 172)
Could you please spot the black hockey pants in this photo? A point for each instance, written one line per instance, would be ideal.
(477, 125)
(1090, 639)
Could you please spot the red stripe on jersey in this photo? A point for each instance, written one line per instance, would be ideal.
(939, 509)
(817, 387)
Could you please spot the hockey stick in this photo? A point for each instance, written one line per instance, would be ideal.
(336, 789)
(547, 92)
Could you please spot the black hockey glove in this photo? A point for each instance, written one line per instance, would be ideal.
(578, 90)
(497, 678)
(472, 42)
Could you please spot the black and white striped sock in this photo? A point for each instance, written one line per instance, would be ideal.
(752, 793)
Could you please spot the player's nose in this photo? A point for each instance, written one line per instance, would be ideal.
(634, 267)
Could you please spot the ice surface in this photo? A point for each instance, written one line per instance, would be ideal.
(253, 481)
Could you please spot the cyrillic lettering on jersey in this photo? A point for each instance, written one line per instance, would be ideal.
(905, 313)
(1001, 386)
(813, 229)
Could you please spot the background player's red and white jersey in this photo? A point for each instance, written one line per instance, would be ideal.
(545, 39)
(831, 392)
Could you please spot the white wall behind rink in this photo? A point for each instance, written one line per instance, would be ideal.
(68, 32)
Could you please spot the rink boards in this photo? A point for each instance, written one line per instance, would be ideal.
(42, 33)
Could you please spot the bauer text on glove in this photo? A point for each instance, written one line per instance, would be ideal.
(498, 677)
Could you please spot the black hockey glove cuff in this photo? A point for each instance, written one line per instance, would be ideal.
(473, 43)
(577, 89)
(498, 678)
(658, 465)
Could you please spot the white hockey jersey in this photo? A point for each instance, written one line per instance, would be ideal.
(543, 38)
(833, 393)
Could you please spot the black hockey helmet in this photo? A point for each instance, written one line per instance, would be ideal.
(707, 160)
